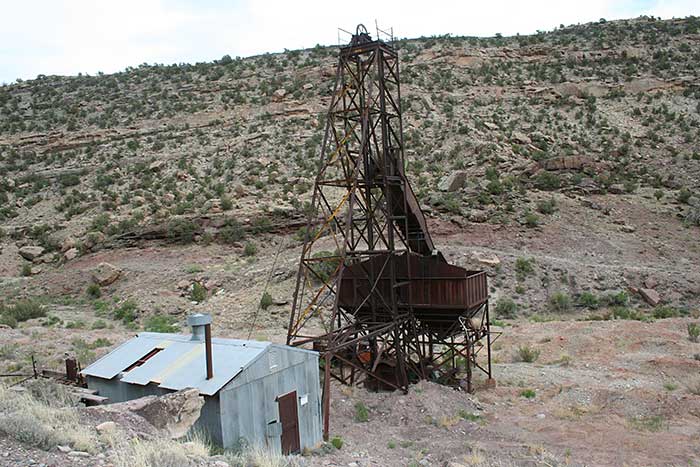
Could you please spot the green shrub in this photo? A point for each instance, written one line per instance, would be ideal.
(337, 442)
(231, 232)
(67, 180)
(226, 204)
(528, 393)
(624, 312)
(588, 300)
(77, 324)
(472, 417)
(250, 249)
(547, 181)
(559, 302)
(100, 222)
(618, 299)
(26, 270)
(524, 267)
(630, 186)
(8, 320)
(527, 354)
(670, 386)
(665, 311)
(126, 312)
(94, 291)
(361, 412)
(505, 308)
(23, 310)
(692, 216)
(531, 219)
(324, 264)
(182, 230)
(300, 235)
(99, 324)
(261, 224)
(198, 292)
(684, 195)
(547, 206)
(648, 423)
(161, 323)
(693, 332)
(265, 300)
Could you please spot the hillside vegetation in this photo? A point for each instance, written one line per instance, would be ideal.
(580, 143)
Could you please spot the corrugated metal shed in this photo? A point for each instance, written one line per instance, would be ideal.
(241, 399)
(179, 364)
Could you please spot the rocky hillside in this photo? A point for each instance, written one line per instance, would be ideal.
(592, 128)
(566, 164)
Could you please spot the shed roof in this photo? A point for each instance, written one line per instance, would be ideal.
(180, 363)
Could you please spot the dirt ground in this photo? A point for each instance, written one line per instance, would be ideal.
(602, 392)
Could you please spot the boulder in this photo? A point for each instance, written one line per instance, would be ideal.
(486, 258)
(68, 243)
(279, 94)
(568, 90)
(105, 274)
(307, 86)
(520, 138)
(173, 413)
(30, 253)
(93, 239)
(106, 427)
(71, 254)
(650, 296)
(215, 206)
(616, 189)
(453, 182)
(156, 165)
(478, 216)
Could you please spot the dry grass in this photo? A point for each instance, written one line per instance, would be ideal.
(42, 422)
(694, 386)
(259, 457)
(160, 452)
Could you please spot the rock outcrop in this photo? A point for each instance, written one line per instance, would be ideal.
(173, 414)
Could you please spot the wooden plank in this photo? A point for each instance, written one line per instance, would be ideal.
(93, 398)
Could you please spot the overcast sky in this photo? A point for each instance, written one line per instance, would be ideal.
(71, 36)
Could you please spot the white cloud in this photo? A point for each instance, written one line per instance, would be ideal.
(71, 36)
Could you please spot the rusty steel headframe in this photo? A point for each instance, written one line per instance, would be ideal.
(373, 294)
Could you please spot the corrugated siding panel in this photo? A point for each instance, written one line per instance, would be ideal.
(257, 389)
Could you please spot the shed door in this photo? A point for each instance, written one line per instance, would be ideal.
(289, 416)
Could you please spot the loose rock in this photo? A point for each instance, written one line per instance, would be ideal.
(650, 296)
(105, 274)
(30, 253)
(453, 182)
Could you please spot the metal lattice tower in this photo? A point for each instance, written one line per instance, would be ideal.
(372, 293)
